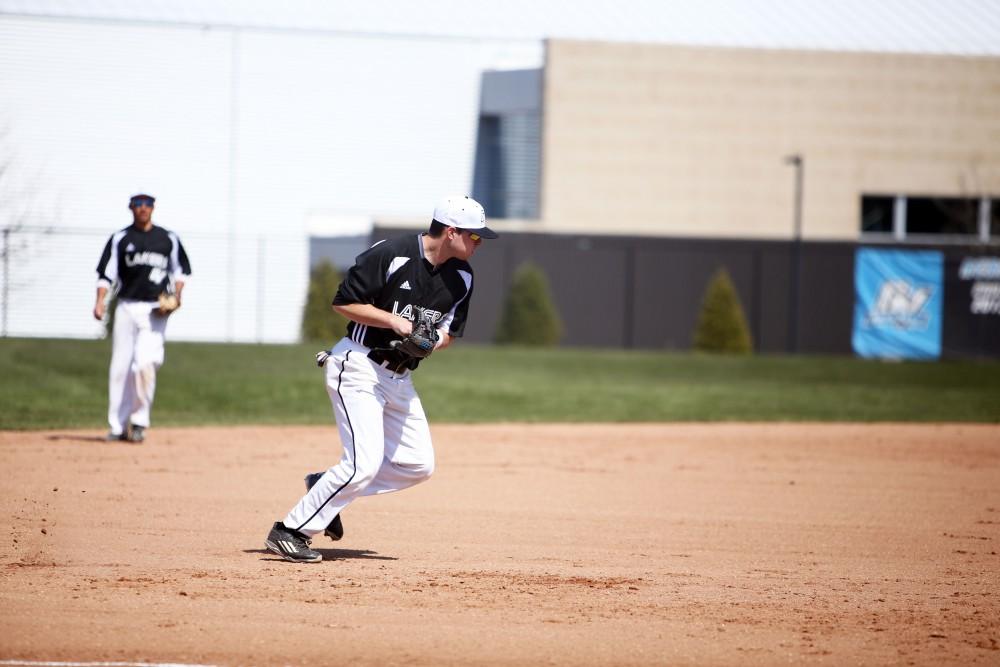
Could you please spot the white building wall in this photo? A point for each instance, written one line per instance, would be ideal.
(241, 134)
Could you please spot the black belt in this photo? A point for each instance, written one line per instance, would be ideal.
(394, 361)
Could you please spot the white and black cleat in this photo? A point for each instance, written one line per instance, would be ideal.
(290, 545)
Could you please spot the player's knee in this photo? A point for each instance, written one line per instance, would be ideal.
(419, 472)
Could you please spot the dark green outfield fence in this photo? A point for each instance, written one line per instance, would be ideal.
(632, 292)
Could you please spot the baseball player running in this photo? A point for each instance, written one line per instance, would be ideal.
(142, 260)
(404, 298)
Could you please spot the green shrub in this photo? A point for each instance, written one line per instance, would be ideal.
(529, 317)
(319, 321)
(722, 326)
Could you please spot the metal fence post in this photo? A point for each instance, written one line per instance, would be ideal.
(629, 305)
(6, 279)
(260, 287)
(793, 293)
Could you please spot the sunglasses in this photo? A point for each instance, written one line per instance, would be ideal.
(472, 235)
(142, 201)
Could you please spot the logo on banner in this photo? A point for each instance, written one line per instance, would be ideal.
(898, 303)
(901, 305)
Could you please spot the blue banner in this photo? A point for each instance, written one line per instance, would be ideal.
(898, 303)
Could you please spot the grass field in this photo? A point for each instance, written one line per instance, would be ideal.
(63, 384)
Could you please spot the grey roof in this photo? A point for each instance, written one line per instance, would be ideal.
(965, 27)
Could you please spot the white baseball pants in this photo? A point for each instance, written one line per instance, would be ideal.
(136, 354)
(384, 432)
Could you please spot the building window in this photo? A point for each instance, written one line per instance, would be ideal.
(507, 169)
(506, 173)
(488, 184)
(942, 215)
(876, 214)
(902, 217)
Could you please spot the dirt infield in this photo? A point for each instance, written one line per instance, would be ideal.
(555, 544)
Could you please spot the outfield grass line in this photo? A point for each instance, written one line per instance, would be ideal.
(227, 384)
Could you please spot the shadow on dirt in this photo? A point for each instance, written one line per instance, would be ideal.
(331, 554)
(70, 437)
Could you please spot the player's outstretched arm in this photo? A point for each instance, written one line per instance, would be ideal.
(102, 293)
(178, 289)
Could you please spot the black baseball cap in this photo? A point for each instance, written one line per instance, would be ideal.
(141, 195)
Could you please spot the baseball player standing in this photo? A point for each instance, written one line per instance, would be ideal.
(143, 261)
(392, 288)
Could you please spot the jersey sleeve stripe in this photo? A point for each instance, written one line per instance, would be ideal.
(180, 269)
(107, 268)
(450, 317)
(396, 264)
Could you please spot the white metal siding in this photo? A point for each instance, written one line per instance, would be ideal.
(242, 135)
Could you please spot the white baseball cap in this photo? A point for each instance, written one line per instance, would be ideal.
(463, 212)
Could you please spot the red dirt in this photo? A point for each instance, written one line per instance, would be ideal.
(556, 544)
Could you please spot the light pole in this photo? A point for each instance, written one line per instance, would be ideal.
(798, 162)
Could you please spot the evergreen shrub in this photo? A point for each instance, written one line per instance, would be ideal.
(722, 325)
(320, 324)
(529, 316)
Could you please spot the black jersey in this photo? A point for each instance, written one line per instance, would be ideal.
(142, 262)
(394, 276)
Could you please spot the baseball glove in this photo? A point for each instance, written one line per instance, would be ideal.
(422, 340)
(168, 303)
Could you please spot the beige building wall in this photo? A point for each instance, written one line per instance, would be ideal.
(664, 140)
